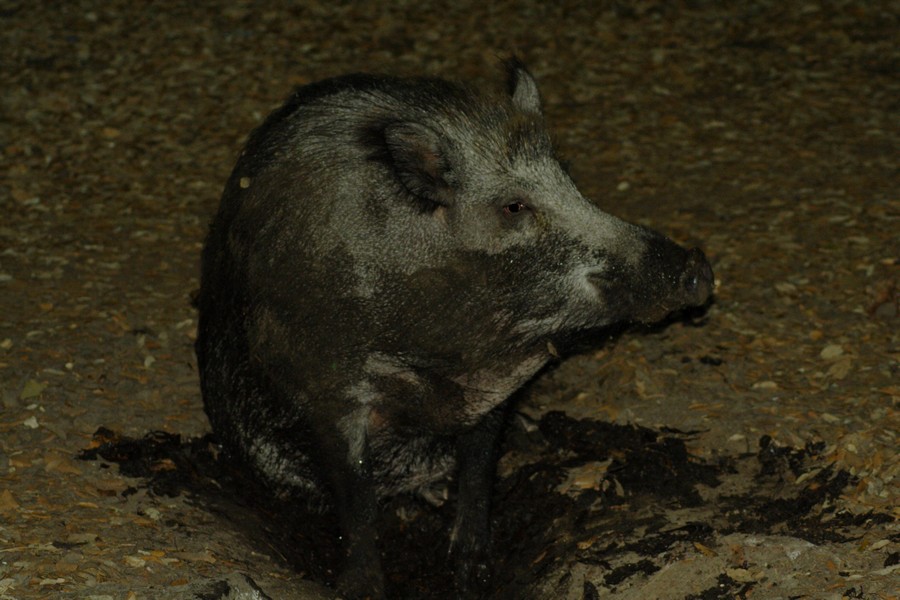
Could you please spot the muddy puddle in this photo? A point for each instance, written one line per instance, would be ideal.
(619, 497)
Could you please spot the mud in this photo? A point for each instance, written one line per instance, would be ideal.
(543, 518)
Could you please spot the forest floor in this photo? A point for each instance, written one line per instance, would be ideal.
(749, 452)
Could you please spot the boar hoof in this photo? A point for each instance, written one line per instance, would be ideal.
(475, 580)
(472, 578)
(361, 584)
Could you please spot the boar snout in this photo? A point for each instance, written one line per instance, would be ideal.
(668, 278)
(697, 278)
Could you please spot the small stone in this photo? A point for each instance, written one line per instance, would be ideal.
(765, 385)
(153, 514)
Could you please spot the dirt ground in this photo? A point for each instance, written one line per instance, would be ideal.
(748, 452)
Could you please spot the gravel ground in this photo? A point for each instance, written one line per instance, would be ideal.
(765, 132)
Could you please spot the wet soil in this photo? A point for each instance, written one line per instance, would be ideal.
(580, 491)
(750, 451)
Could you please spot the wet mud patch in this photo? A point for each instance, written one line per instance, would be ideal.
(578, 504)
(169, 465)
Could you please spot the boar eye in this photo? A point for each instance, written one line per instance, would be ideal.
(514, 208)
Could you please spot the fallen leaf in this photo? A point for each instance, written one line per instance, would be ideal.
(135, 561)
(60, 463)
(831, 351)
(7, 501)
(740, 575)
(840, 369)
(205, 556)
(705, 550)
(588, 476)
(32, 389)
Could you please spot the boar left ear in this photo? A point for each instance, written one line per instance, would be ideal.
(522, 87)
(419, 157)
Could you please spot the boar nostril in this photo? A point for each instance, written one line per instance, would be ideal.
(691, 284)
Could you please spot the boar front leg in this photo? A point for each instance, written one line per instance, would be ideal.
(471, 538)
(347, 460)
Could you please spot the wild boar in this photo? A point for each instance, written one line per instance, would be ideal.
(391, 259)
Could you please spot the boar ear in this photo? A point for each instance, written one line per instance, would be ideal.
(522, 87)
(420, 159)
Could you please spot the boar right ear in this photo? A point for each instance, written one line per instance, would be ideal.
(420, 159)
(522, 87)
